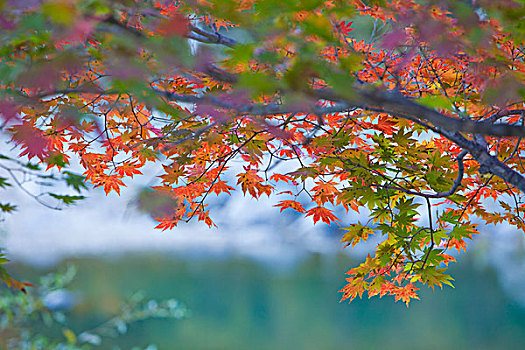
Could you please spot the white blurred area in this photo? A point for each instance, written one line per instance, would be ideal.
(112, 224)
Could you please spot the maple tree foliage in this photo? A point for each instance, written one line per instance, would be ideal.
(409, 113)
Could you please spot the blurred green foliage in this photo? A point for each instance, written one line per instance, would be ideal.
(38, 319)
(236, 303)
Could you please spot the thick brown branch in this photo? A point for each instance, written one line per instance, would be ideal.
(211, 37)
(400, 106)
(488, 163)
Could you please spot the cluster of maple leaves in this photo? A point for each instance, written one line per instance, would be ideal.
(268, 102)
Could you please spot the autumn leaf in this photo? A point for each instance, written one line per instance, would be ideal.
(354, 288)
(321, 213)
(355, 234)
(345, 27)
(128, 169)
(406, 293)
(31, 139)
(221, 186)
(291, 204)
(9, 281)
(280, 177)
(177, 25)
(110, 183)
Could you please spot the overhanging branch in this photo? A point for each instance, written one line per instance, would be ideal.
(400, 106)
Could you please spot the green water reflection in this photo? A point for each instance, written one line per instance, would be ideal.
(239, 304)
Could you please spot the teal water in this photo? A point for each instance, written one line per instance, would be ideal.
(235, 303)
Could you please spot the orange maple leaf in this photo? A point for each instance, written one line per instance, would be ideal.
(292, 205)
(406, 293)
(321, 213)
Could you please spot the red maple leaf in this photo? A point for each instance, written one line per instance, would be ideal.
(176, 25)
(321, 213)
(290, 204)
(406, 293)
(31, 139)
(345, 27)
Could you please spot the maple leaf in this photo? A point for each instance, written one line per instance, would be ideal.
(321, 213)
(434, 276)
(355, 234)
(406, 293)
(9, 111)
(110, 182)
(355, 287)
(177, 25)
(291, 204)
(157, 204)
(9, 280)
(459, 244)
(166, 223)
(7, 207)
(128, 169)
(345, 27)
(205, 216)
(31, 139)
(251, 182)
(281, 177)
(221, 186)
(325, 192)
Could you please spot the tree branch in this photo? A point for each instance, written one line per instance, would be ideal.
(211, 37)
(400, 106)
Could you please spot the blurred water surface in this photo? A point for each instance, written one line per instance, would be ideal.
(236, 303)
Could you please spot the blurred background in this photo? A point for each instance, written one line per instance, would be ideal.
(260, 280)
